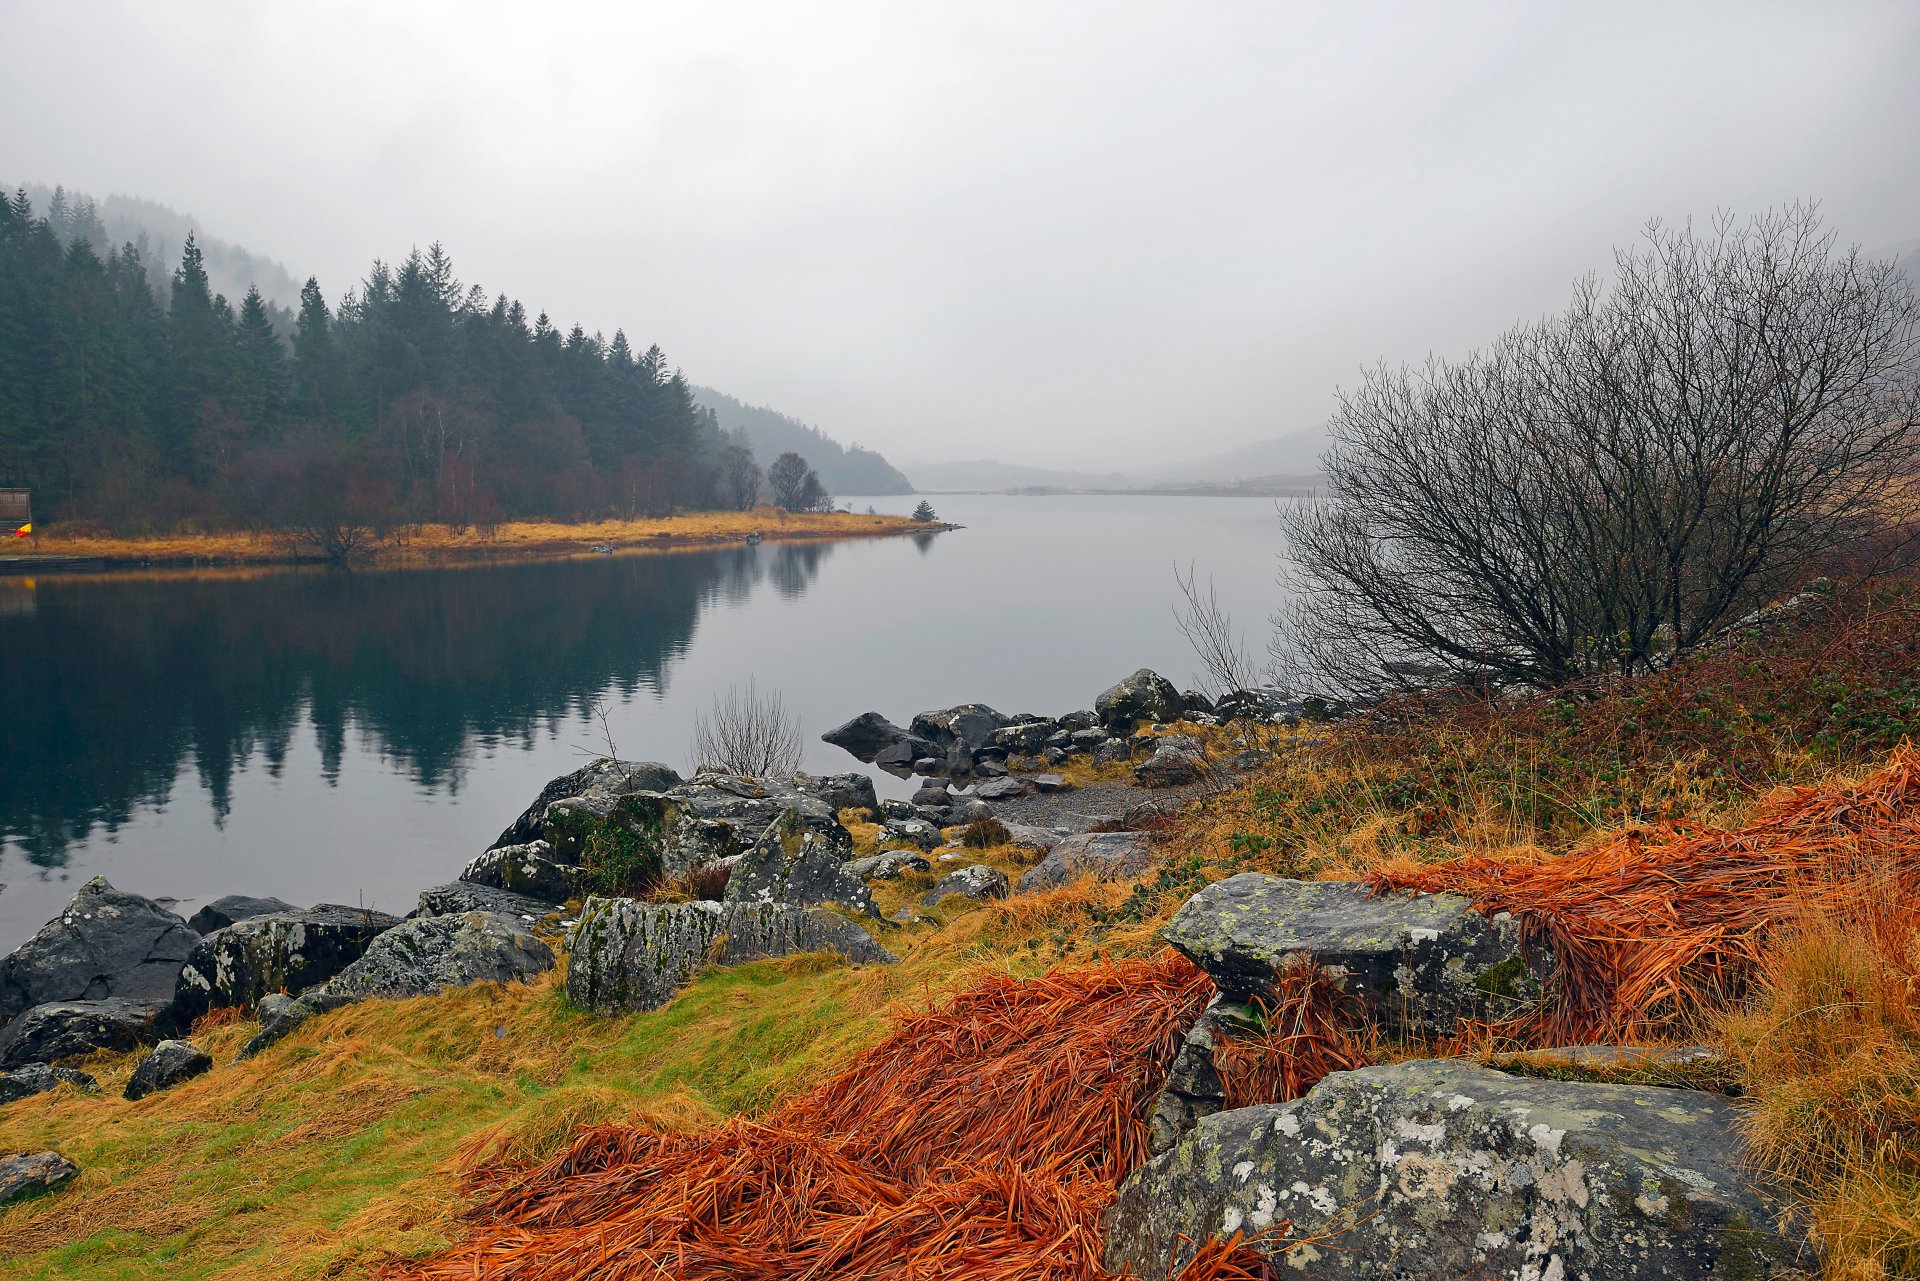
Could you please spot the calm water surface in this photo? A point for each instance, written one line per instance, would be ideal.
(356, 737)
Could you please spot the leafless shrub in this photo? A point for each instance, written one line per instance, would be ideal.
(748, 733)
(1208, 627)
(1604, 488)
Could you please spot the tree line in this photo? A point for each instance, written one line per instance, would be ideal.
(412, 398)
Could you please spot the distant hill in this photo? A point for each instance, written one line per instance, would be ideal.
(843, 469)
(1286, 464)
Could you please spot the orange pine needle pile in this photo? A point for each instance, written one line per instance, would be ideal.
(1651, 930)
(979, 1141)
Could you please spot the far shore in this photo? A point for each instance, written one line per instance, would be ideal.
(425, 545)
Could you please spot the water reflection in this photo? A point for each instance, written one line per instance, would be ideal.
(110, 686)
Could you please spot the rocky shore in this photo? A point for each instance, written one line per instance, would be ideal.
(644, 879)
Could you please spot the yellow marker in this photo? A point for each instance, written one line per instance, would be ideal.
(24, 530)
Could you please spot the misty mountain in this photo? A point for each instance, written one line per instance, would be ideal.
(159, 233)
(843, 469)
(1296, 454)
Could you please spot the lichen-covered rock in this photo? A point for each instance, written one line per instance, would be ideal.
(432, 954)
(849, 791)
(978, 882)
(1437, 1168)
(915, 831)
(1417, 962)
(1105, 856)
(529, 869)
(1267, 705)
(228, 908)
(58, 1029)
(106, 943)
(1143, 696)
(888, 865)
(968, 727)
(283, 952)
(464, 896)
(165, 1066)
(628, 955)
(1024, 738)
(1033, 838)
(790, 864)
(601, 783)
(38, 1078)
(279, 1014)
(714, 817)
(1170, 766)
(1193, 1089)
(27, 1174)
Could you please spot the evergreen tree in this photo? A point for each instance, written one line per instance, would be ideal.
(313, 354)
(261, 390)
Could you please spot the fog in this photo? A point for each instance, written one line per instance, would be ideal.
(1083, 235)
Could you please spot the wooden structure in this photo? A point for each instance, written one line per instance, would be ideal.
(16, 508)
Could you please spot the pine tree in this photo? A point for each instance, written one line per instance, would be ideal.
(924, 513)
(313, 354)
(261, 394)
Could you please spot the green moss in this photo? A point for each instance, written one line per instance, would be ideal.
(1508, 980)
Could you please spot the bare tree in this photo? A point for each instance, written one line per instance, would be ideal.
(1208, 627)
(788, 479)
(1604, 488)
(748, 733)
(739, 476)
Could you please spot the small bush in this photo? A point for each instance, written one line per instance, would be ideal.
(985, 833)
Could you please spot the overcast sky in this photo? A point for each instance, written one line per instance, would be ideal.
(1064, 234)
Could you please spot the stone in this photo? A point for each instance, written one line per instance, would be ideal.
(1047, 784)
(602, 780)
(914, 831)
(530, 870)
(1079, 720)
(848, 791)
(978, 882)
(928, 765)
(283, 952)
(1266, 705)
(866, 736)
(966, 809)
(279, 1014)
(56, 1030)
(895, 809)
(28, 1174)
(1105, 856)
(1439, 1168)
(1143, 696)
(105, 944)
(1024, 738)
(1000, 789)
(990, 767)
(1193, 1089)
(1417, 963)
(969, 727)
(1112, 751)
(1194, 703)
(432, 954)
(932, 793)
(713, 817)
(465, 896)
(1054, 756)
(1142, 814)
(228, 908)
(1033, 838)
(888, 866)
(165, 1066)
(1086, 740)
(1169, 767)
(629, 955)
(38, 1078)
(790, 864)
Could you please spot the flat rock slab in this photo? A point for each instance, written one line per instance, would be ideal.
(106, 943)
(977, 882)
(888, 866)
(1417, 962)
(432, 954)
(165, 1066)
(1106, 856)
(1000, 789)
(283, 952)
(38, 1078)
(228, 908)
(29, 1173)
(1439, 1168)
(465, 896)
(60, 1029)
(628, 955)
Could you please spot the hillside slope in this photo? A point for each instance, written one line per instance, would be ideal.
(843, 469)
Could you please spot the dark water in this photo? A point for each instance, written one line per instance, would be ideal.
(353, 738)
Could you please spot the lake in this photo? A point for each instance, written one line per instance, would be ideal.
(353, 738)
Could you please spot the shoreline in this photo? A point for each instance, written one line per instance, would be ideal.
(440, 546)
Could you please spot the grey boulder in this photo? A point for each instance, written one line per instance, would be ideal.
(628, 955)
(1418, 963)
(58, 1029)
(968, 727)
(1143, 696)
(283, 952)
(1170, 766)
(530, 869)
(464, 896)
(38, 1078)
(602, 781)
(848, 791)
(977, 882)
(1437, 1168)
(790, 864)
(887, 865)
(1112, 751)
(106, 943)
(866, 736)
(165, 1066)
(1268, 705)
(30, 1173)
(228, 908)
(1024, 738)
(915, 831)
(1000, 789)
(1106, 856)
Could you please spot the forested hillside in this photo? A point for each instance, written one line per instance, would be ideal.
(411, 397)
(843, 469)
